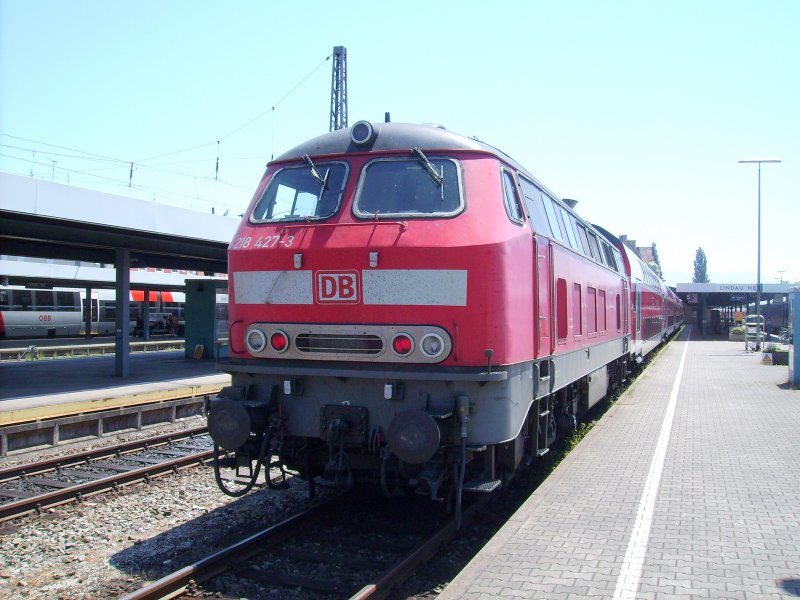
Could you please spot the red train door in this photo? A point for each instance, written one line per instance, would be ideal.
(544, 294)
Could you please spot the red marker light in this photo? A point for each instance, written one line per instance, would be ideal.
(402, 344)
(279, 341)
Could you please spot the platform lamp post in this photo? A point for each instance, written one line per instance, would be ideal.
(758, 268)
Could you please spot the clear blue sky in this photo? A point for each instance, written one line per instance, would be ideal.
(639, 110)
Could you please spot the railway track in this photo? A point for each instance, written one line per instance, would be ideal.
(349, 546)
(32, 487)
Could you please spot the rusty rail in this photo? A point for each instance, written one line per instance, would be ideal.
(76, 491)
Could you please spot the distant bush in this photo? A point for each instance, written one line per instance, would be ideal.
(738, 330)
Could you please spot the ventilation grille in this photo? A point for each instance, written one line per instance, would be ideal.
(351, 344)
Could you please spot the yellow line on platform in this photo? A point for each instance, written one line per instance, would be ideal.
(51, 411)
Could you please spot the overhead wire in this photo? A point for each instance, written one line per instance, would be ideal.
(138, 164)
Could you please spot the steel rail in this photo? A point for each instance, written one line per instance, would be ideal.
(42, 466)
(221, 561)
(78, 491)
(175, 583)
(406, 566)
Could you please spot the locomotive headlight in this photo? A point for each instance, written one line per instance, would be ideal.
(362, 133)
(402, 344)
(256, 341)
(279, 341)
(432, 345)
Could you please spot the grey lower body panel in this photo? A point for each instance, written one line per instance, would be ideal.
(499, 401)
(580, 363)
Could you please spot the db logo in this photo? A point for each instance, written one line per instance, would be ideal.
(336, 286)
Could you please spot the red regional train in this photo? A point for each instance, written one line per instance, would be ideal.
(412, 308)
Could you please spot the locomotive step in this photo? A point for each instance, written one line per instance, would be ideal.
(542, 451)
(482, 486)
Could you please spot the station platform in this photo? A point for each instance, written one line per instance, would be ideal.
(43, 389)
(688, 487)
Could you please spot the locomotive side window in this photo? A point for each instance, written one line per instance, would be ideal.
(573, 224)
(595, 248)
(609, 256)
(585, 239)
(577, 317)
(568, 228)
(533, 200)
(299, 193)
(5, 300)
(407, 187)
(551, 217)
(511, 198)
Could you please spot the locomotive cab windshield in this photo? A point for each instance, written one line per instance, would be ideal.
(300, 192)
(391, 187)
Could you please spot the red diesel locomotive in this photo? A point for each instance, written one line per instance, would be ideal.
(411, 307)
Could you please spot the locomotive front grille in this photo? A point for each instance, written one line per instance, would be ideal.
(321, 343)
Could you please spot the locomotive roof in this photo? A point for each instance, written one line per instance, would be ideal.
(393, 136)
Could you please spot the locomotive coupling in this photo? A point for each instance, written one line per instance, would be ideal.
(232, 417)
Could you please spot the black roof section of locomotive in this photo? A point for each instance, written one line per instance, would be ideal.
(393, 137)
(401, 137)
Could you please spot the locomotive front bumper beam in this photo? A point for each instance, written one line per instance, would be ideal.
(316, 371)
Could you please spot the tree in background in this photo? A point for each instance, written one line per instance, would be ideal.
(700, 267)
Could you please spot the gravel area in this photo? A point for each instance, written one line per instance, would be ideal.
(110, 544)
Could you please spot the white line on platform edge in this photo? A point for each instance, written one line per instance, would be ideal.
(631, 571)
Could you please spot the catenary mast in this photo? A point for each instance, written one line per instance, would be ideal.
(339, 89)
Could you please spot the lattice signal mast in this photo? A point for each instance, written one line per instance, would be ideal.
(339, 89)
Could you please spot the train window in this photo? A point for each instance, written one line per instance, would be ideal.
(551, 217)
(591, 310)
(561, 309)
(573, 223)
(5, 300)
(108, 310)
(595, 248)
(577, 317)
(618, 258)
(619, 313)
(300, 193)
(609, 255)
(44, 300)
(67, 301)
(511, 198)
(533, 200)
(566, 225)
(601, 310)
(584, 239)
(409, 187)
(22, 300)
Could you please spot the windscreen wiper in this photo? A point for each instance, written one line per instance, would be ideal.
(323, 181)
(435, 175)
